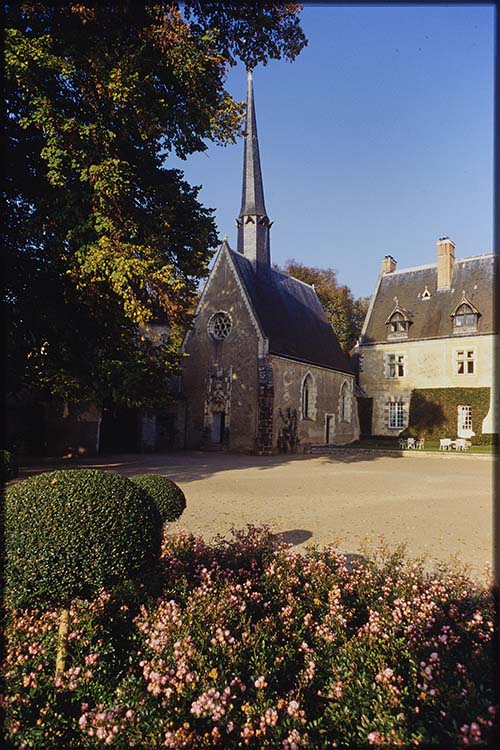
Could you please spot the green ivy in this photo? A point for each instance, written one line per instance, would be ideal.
(434, 411)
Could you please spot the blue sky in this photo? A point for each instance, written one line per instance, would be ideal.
(377, 140)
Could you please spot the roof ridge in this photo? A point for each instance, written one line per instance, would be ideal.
(289, 276)
(476, 257)
(434, 265)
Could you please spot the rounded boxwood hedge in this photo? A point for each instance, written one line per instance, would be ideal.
(8, 466)
(71, 532)
(168, 497)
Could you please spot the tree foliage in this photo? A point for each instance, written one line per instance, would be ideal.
(102, 235)
(345, 313)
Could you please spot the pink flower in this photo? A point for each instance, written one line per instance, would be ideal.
(260, 683)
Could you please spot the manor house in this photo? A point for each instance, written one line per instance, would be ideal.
(264, 372)
(427, 348)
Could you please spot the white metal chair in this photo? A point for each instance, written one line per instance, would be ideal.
(410, 443)
(445, 444)
(402, 443)
(420, 444)
(461, 444)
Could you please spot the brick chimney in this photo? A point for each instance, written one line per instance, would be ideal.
(445, 262)
(388, 264)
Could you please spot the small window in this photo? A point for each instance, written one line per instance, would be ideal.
(396, 415)
(465, 318)
(466, 362)
(220, 325)
(395, 366)
(345, 403)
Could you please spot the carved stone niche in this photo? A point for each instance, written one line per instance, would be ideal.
(218, 398)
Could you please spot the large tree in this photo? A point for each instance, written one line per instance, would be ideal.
(102, 235)
(345, 313)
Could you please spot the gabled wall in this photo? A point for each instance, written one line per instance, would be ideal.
(236, 358)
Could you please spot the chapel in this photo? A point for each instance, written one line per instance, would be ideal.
(264, 370)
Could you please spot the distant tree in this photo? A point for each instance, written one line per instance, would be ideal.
(102, 236)
(345, 313)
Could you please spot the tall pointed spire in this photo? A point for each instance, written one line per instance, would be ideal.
(253, 222)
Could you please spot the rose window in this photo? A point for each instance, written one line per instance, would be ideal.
(219, 326)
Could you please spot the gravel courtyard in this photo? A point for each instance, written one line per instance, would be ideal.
(441, 505)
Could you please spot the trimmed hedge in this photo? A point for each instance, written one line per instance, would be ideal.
(487, 438)
(168, 497)
(71, 532)
(434, 411)
(8, 466)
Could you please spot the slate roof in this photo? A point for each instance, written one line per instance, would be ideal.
(252, 198)
(291, 317)
(430, 318)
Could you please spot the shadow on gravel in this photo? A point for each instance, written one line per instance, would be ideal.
(293, 537)
(190, 466)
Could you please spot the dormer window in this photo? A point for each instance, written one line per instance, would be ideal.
(465, 316)
(398, 324)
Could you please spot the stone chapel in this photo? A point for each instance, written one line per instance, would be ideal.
(265, 372)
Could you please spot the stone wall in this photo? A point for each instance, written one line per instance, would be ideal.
(428, 364)
(288, 378)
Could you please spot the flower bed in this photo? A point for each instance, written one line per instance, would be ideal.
(253, 645)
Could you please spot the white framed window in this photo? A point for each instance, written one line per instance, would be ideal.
(345, 403)
(395, 418)
(395, 365)
(465, 362)
(464, 421)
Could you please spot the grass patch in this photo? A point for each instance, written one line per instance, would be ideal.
(381, 443)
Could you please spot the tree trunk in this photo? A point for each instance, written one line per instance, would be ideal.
(98, 433)
(62, 640)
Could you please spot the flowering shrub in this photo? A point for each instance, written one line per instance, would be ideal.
(252, 645)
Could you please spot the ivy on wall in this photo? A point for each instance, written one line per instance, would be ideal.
(288, 438)
(434, 411)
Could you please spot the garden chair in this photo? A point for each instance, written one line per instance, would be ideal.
(410, 443)
(402, 443)
(420, 444)
(445, 444)
(461, 444)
